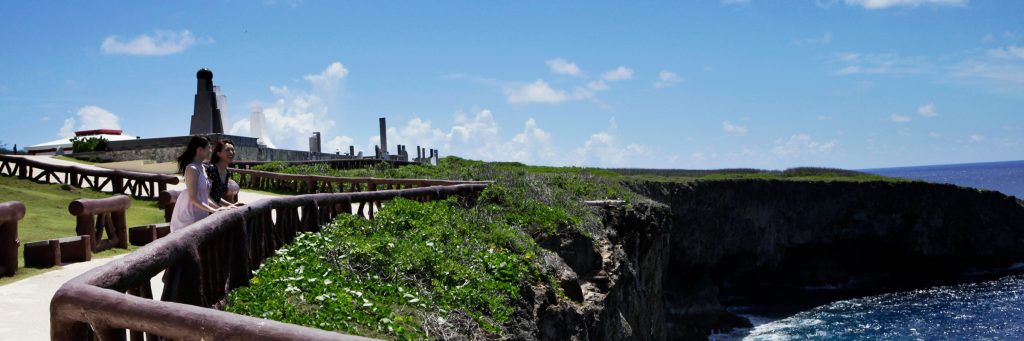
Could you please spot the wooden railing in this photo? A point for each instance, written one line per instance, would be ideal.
(120, 182)
(220, 251)
(296, 183)
(333, 163)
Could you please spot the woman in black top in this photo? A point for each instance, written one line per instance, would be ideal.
(217, 171)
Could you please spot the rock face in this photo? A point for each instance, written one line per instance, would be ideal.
(609, 282)
(774, 241)
(665, 269)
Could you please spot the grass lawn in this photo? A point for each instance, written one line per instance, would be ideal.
(47, 217)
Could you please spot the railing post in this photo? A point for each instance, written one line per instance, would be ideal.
(22, 169)
(118, 184)
(120, 227)
(10, 213)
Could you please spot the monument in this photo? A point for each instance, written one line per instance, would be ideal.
(206, 117)
(314, 143)
(383, 153)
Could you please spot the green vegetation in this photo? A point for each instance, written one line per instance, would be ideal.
(88, 144)
(394, 276)
(47, 217)
(404, 273)
(538, 200)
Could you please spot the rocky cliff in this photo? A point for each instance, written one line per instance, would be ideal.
(666, 269)
(774, 242)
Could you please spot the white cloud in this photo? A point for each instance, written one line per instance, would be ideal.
(88, 118)
(934, 134)
(476, 137)
(897, 118)
(536, 92)
(68, 129)
(241, 128)
(825, 4)
(977, 137)
(667, 78)
(730, 128)
(563, 67)
(295, 114)
(160, 43)
(329, 76)
(604, 149)
(823, 40)
(883, 4)
(1008, 52)
(802, 144)
(340, 143)
(879, 64)
(597, 86)
(927, 110)
(1001, 75)
(289, 3)
(617, 74)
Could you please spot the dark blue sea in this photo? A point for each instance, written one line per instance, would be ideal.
(974, 311)
(1006, 177)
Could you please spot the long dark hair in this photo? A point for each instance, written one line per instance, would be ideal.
(217, 148)
(186, 158)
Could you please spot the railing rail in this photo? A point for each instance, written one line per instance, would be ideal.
(344, 163)
(121, 182)
(253, 179)
(221, 251)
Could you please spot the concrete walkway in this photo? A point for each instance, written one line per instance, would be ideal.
(25, 304)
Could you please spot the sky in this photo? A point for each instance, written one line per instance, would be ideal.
(682, 84)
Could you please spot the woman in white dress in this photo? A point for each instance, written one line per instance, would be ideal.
(181, 280)
(194, 202)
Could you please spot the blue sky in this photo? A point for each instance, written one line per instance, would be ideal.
(694, 84)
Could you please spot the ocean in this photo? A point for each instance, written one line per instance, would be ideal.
(985, 310)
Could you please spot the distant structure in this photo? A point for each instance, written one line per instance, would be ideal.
(208, 118)
(314, 143)
(258, 127)
(383, 152)
(206, 115)
(64, 145)
(222, 104)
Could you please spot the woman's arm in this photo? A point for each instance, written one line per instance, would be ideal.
(190, 184)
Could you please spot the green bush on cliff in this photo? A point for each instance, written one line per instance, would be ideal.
(414, 269)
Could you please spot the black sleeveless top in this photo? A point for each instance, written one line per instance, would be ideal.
(217, 187)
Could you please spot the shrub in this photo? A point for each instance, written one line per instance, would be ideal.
(394, 276)
(88, 144)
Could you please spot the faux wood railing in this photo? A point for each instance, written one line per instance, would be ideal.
(269, 181)
(120, 182)
(333, 163)
(10, 213)
(221, 252)
(95, 216)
